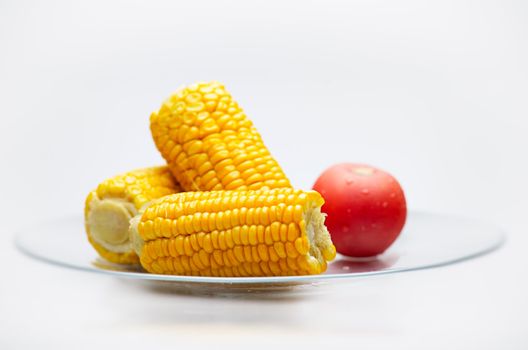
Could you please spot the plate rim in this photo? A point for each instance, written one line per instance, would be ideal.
(500, 241)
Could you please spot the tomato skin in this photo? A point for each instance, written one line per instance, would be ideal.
(366, 208)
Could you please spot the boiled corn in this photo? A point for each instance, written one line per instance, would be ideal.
(109, 208)
(210, 144)
(234, 233)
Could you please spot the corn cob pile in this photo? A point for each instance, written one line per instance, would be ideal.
(221, 207)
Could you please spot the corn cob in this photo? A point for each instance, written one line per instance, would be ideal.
(209, 143)
(109, 208)
(234, 233)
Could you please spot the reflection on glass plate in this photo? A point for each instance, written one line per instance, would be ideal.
(428, 240)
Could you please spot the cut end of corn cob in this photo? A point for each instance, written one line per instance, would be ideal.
(234, 233)
(108, 221)
(135, 239)
(110, 207)
(209, 143)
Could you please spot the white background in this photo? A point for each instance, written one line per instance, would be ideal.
(434, 92)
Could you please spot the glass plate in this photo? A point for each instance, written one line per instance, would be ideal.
(428, 240)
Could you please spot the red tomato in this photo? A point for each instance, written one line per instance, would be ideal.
(366, 208)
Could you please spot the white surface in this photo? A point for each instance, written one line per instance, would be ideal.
(434, 92)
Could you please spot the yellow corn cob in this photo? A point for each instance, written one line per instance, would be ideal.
(234, 233)
(109, 208)
(210, 144)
